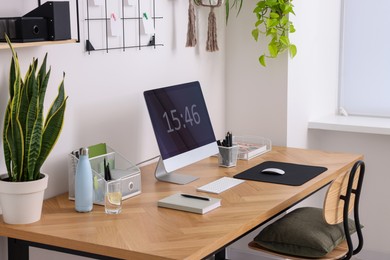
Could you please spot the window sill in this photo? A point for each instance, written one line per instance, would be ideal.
(355, 124)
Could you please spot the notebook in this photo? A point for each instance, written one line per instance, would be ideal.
(179, 202)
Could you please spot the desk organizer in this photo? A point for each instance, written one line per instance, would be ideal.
(120, 167)
(251, 146)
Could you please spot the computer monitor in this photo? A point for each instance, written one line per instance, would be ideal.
(182, 127)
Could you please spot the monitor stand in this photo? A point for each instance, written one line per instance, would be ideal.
(162, 175)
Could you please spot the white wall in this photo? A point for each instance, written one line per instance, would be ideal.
(309, 86)
(106, 89)
(313, 73)
(256, 97)
(313, 88)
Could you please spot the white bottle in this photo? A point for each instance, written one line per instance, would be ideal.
(83, 183)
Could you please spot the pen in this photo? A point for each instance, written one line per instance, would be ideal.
(229, 139)
(105, 169)
(194, 197)
(109, 172)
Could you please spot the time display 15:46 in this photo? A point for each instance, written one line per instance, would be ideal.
(177, 120)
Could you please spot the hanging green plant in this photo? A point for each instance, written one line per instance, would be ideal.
(230, 4)
(273, 21)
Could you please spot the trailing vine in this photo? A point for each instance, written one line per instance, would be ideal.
(272, 21)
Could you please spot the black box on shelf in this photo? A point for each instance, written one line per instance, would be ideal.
(7, 26)
(24, 29)
(57, 15)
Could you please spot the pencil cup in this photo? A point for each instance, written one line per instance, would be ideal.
(227, 156)
(113, 197)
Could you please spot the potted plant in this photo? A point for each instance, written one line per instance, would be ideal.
(28, 138)
(272, 21)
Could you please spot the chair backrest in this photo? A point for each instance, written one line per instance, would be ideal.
(342, 197)
(343, 194)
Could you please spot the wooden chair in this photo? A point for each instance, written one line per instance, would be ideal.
(341, 199)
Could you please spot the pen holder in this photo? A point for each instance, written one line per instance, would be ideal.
(227, 156)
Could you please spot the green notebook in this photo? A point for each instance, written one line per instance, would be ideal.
(97, 150)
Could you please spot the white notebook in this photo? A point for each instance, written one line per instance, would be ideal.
(195, 205)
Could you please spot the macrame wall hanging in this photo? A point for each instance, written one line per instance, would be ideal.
(191, 30)
(212, 43)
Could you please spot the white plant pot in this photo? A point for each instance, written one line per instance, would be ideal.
(21, 202)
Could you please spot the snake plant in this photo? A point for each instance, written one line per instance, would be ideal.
(28, 137)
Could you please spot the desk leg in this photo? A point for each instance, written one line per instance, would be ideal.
(17, 250)
(221, 255)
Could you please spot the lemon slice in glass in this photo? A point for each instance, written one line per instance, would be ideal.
(114, 198)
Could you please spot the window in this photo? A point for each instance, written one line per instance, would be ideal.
(365, 58)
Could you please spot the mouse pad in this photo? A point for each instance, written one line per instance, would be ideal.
(295, 174)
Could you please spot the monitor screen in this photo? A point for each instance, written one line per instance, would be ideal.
(181, 124)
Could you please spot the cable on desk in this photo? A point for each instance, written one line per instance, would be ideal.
(150, 159)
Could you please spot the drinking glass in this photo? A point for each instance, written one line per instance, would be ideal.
(113, 197)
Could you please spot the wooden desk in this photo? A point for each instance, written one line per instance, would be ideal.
(144, 231)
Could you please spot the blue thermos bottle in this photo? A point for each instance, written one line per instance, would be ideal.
(83, 183)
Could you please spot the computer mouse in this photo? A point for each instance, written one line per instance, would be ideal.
(273, 171)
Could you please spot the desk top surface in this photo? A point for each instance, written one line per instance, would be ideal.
(145, 231)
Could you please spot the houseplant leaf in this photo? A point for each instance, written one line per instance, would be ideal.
(293, 50)
(262, 60)
(52, 126)
(255, 34)
(34, 134)
(13, 132)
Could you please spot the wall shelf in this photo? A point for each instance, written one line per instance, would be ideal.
(4, 45)
(34, 44)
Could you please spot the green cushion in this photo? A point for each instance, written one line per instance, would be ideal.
(303, 232)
